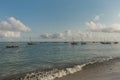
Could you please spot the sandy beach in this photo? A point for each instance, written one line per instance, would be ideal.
(99, 71)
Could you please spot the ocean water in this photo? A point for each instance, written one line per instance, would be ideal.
(50, 60)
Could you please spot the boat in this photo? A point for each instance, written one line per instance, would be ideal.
(73, 43)
(12, 46)
(30, 42)
(105, 42)
(115, 42)
(83, 43)
(94, 42)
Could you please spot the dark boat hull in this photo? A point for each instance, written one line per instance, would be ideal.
(12, 46)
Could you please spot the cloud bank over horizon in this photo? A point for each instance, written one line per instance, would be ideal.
(99, 27)
(94, 30)
(12, 28)
(81, 36)
(62, 35)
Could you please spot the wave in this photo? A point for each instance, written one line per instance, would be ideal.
(58, 73)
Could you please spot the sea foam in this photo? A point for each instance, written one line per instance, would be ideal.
(58, 73)
(55, 73)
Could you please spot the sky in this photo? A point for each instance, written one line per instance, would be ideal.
(59, 19)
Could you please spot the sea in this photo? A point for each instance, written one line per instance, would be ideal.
(51, 60)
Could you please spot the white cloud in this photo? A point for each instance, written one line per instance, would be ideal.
(10, 34)
(52, 36)
(92, 26)
(96, 18)
(18, 25)
(57, 35)
(12, 28)
(45, 36)
(5, 26)
(67, 33)
(81, 34)
(98, 27)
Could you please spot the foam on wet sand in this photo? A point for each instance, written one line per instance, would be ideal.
(99, 71)
(108, 69)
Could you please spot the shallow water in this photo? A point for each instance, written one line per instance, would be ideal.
(42, 56)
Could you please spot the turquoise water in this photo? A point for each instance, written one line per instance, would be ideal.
(50, 55)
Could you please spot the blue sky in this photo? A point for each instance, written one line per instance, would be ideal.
(49, 16)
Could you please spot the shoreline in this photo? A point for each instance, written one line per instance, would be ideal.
(103, 71)
(83, 72)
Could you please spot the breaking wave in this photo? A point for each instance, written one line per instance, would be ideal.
(58, 73)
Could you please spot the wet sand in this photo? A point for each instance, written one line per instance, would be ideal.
(99, 71)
